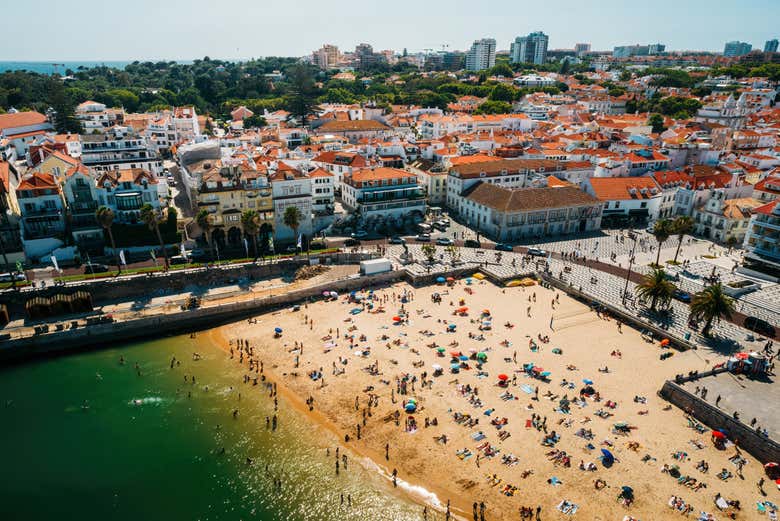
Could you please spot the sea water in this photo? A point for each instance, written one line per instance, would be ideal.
(85, 437)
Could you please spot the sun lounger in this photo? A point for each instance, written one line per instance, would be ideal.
(567, 507)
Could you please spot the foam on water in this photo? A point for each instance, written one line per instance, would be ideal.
(149, 400)
(422, 493)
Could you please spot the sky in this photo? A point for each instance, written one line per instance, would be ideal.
(73, 30)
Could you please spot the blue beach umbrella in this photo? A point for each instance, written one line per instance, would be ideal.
(451, 326)
(608, 458)
(587, 381)
(463, 358)
(441, 280)
(277, 330)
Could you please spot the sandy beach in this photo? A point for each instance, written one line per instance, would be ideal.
(361, 370)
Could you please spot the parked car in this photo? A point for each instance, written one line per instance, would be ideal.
(471, 243)
(397, 240)
(423, 237)
(439, 226)
(360, 234)
(537, 252)
(762, 327)
(444, 241)
(8, 277)
(502, 246)
(93, 267)
(682, 296)
(178, 259)
(352, 242)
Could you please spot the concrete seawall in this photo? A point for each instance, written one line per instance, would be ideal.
(179, 321)
(764, 449)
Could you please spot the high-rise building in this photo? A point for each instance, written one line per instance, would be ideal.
(530, 49)
(581, 48)
(482, 55)
(326, 57)
(736, 48)
(770, 46)
(453, 60)
(655, 48)
(366, 57)
(626, 51)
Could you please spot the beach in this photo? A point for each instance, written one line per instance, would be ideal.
(359, 371)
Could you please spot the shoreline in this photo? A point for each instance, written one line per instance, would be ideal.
(370, 459)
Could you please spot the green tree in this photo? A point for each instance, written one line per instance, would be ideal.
(105, 218)
(661, 231)
(64, 116)
(710, 305)
(657, 122)
(203, 218)
(494, 107)
(681, 226)
(429, 250)
(502, 92)
(255, 121)
(564, 70)
(501, 69)
(301, 99)
(153, 218)
(292, 219)
(251, 223)
(656, 287)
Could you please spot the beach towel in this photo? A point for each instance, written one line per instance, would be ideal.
(478, 436)
(567, 507)
(527, 389)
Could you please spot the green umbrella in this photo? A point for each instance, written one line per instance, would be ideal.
(482, 356)
(440, 349)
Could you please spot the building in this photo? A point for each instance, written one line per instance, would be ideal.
(655, 49)
(226, 191)
(20, 129)
(581, 48)
(355, 130)
(339, 164)
(126, 191)
(762, 240)
(10, 239)
(42, 208)
(386, 193)
(529, 49)
(770, 45)
(326, 57)
(323, 197)
(82, 199)
(724, 220)
(433, 178)
(634, 200)
(120, 149)
(482, 55)
(365, 56)
(508, 214)
(290, 187)
(96, 118)
(736, 48)
(730, 113)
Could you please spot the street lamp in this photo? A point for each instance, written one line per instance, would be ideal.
(632, 236)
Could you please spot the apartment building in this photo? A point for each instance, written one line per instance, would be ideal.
(529, 49)
(762, 240)
(634, 200)
(389, 193)
(95, 118)
(120, 149)
(290, 187)
(482, 55)
(126, 191)
(724, 220)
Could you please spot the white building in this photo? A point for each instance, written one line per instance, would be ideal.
(762, 240)
(482, 55)
(529, 49)
(724, 220)
(386, 193)
(290, 187)
(96, 118)
(626, 199)
(120, 149)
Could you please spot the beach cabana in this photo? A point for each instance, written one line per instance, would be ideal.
(607, 459)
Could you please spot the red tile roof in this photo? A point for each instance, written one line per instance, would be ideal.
(21, 119)
(621, 188)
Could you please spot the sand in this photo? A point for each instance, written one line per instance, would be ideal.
(586, 342)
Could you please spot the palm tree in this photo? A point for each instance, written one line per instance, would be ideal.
(661, 231)
(204, 223)
(251, 222)
(105, 218)
(710, 304)
(153, 218)
(292, 219)
(656, 287)
(681, 226)
(429, 250)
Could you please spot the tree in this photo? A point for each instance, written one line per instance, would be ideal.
(292, 219)
(656, 287)
(657, 122)
(501, 69)
(681, 226)
(265, 237)
(429, 250)
(153, 218)
(711, 304)
(64, 117)
(105, 218)
(564, 70)
(494, 107)
(255, 121)
(301, 100)
(204, 223)
(251, 223)
(661, 231)
(502, 92)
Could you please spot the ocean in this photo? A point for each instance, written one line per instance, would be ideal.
(61, 67)
(85, 437)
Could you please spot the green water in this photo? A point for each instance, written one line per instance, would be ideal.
(161, 459)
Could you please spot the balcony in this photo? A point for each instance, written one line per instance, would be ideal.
(41, 211)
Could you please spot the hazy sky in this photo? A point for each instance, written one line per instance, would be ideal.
(185, 29)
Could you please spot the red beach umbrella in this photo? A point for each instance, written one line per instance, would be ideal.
(503, 377)
(718, 435)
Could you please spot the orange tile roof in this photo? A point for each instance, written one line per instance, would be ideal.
(619, 188)
(21, 119)
(37, 181)
(377, 174)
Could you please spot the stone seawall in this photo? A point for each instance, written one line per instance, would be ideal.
(764, 449)
(179, 321)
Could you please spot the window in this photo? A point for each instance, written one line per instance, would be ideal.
(643, 205)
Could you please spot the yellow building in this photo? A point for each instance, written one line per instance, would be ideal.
(226, 192)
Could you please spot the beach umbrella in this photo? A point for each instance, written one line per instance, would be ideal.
(451, 326)
(454, 366)
(538, 369)
(665, 342)
(473, 351)
(410, 407)
(334, 294)
(482, 356)
(503, 377)
(436, 367)
(411, 400)
(742, 356)
(771, 465)
(628, 492)
(545, 373)
(450, 279)
(439, 349)
(462, 309)
(441, 280)
(277, 330)
(587, 381)
(463, 358)
(485, 311)
(718, 435)
(326, 293)
(455, 354)
(396, 319)
(469, 281)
